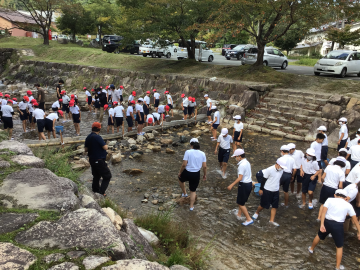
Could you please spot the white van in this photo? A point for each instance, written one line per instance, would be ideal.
(200, 48)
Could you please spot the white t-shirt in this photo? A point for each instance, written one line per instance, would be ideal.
(290, 162)
(6, 110)
(273, 177)
(317, 147)
(298, 156)
(325, 141)
(156, 115)
(31, 98)
(338, 209)
(161, 109)
(217, 114)
(87, 93)
(244, 169)
(30, 107)
(23, 105)
(66, 100)
(309, 167)
(129, 110)
(116, 96)
(118, 111)
(169, 99)
(53, 116)
(147, 100)
(238, 127)
(354, 175)
(4, 102)
(334, 175)
(156, 95)
(56, 104)
(104, 91)
(131, 97)
(139, 107)
(38, 114)
(185, 102)
(74, 109)
(354, 141)
(208, 101)
(14, 102)
(148, 117)
(110, 92)
(191, 104)
(194, 158)
(355, 152)
(344, 130)
(225, 141)
(347, 165)
(352, 191)
(111, 112)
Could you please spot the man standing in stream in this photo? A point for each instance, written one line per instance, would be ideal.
(96, 148)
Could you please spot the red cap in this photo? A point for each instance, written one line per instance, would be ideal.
(132, 102)
(26, 98)
(28, 92)
(33, 101)
(61, 113)
(121, 87)
(154, 90)
(115, 103)
(72, 96)
(63, 92)
(84, 88)
(166, 92)
(96, 125)
(60, 100)
(167, 108)
(7, 95)
(15, 98)
(133, 93)
(93, 90)
(36, 104)
(106, 106)
(101, 87)
(147, 92)
(1, 94)
(182, 95)
(150, 120)
(107, 87)
(10, 101)
(193, 99)
(71, 103)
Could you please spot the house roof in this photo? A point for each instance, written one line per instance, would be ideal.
(302, 46)
(16, 16)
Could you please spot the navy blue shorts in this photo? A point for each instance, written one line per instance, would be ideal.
(319, 163)
(8, 122)
(308, 184)
(345, 184)
(269, 198)
(337, 231)
(298, 177)
(48, 125)
(342, 144)
(324, 152)
(357, 209)
(190, 110)
(326, 193)
(146, 110)
(244, 191)
(89, 100)
(157, 101)
(215, 126)
(192, 177)
(76, 118)
(285, 181)
(31, 120)
(260, 178)
(129, 121)
(65, 108)
(40, 125)
(121, 98)
(171, 106)
(185, 110)
(142, 121)
(208, 112)
(110, 123)
(236, 136)
(223, 155)
(24, 116)
(353, 163)
(97, 104)
(119, 121)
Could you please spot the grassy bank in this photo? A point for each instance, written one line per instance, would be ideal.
(310, 62)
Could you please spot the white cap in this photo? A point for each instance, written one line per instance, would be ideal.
(341, 191)
(311, 152)
(237, 117)
(322, 128)
(282, 162)
(285, 148)
(291, 146)
(206, 95)
(194, 140)
(343, 119)
(140, 99)
(213, 107)
(341, 159)
(359, 129)
(343, 150)
(238, 152)
(224, 131)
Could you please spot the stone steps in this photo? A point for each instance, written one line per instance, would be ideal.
(305, 93)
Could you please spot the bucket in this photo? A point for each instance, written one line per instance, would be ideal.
(58, 129)
(257, 189)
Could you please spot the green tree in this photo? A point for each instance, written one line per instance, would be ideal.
(289, 40)
(344, 36)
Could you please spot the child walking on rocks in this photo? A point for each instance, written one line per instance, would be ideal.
(297, 155)
(225, 142)
(111, 118)
(215, 123)
(238, 130)
(119, 112)
(7, 113)
(39, 116)
(324, 145)
(50, 122)
(76, 116)
(287, 174)
(89, 99)
(130, 119)
(24, 111)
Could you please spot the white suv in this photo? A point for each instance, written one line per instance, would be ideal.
(339, 62)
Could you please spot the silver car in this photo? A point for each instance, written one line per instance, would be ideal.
(272, 57)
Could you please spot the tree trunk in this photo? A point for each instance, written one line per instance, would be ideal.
(46, 37)
(260, 55)
(332, 45)
(100, 40)
(74, 37)
(191, 49)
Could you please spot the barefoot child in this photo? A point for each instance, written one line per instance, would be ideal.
(76, 116)
(238, 130)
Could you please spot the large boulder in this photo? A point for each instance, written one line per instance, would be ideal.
(333, 138)
(41, 189)
(132, 230)
(92, 262)
(65, 266)
(16, 147)
(331, 111)
(114, 217)
(313, 128)
(88, 202)
(29, 161)
(133, 250)
(135, 265)
(83, 228)
(247, 99)
(15, 258)
(11, 221)
(236, 110)
(354, 103)
(149, 236)
(178, 267)
(353, 118)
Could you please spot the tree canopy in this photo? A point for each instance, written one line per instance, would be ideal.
(289, 41)
(344, 36)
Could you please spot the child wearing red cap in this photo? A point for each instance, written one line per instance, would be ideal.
(140, 116)
(146, 103)
(50, 122)
(184, 105)
(132, 96)
(121, 88)
(170, 103)
(24, 112)
(111, 118)
(5, 100)
(14, 101)
(76, 116)
(119, 112)
(89, 99)
(65, 105)
(194, 108)
(156, 99)
(130, 119)
(161, 110)
(6, 115)
(29, 94)
(39, 116)
(31, 110)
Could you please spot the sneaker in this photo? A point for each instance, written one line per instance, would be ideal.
(311, 251)
(330, 235)
(184, 195)
(167, 116)
(240, 218)
(191, 208)
(340, 268)
(298, 195)
(246, 223)
(283, 204)
(214, 140)
(301, 206)
(12, 139)
(311, 206)
(255, 216)
(274, 223)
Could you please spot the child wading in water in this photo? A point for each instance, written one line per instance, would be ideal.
(238, 130)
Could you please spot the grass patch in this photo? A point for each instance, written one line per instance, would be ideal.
(310, 62)
(109, 203)
(176, 246)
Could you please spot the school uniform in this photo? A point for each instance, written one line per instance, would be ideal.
(217, 122)
(111, 114)
(354, 141)
(110, 94)
(157, 99)
(355, 155)
(161, 110)
(55, 106)
(156, 116)
(309, 168)
(22, 107)
(190, 108)
(89, 97)
(49, 121)
(185, 105)
(39, 118)
(131, 98)
(4, 102)
(129, 119)
(224, 149)
(140, 108)
(191, 173)
(146, 109)
(334, 175)
(31, 110)
(119, 115)
(97, 101)
(65, 106)
(352, 191)
(30, 98)
(343, 129)
(337, 210)
(270, 184)
(7, 113)
(238, 128)
(298, 156)
(287, 174)
(75, 111)
(245, 185)
(150, 116)
(116, 96)
(317, 147)
(119, 94)
(324, 148)
(353, 177)
(347, 165)
(169, 101)
(208, 112)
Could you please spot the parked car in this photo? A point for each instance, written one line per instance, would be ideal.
(110, 43)
(339, 62)
(272, 57)
(154, 49)
(238, 51)
(227, 47)
(206, 53)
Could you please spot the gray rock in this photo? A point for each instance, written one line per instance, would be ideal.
(247, 99)
(65, 266)
(29, 161)
(333, 138)
(183, 139)
(92, 262)
(155, 133)
(75, 254)
(55, 257)
(15, 258)
(150, 136)
(4, 164)
(132, 230)
(133, 250)
(135, 265)
(178, 267)
(311, 135)
(11, 221)
(331, 111)
(335, 99)
(41, 189)
(353, 118)
(16, 147)
(133, 147)
(88, 202)
(83, 228)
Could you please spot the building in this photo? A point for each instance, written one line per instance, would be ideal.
(7, 19)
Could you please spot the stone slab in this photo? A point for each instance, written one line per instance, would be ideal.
(15, 258)
(12, 221)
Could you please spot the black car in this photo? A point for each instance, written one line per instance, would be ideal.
(227, 47)
(133, 48)
(110, 43)
(238, 51)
